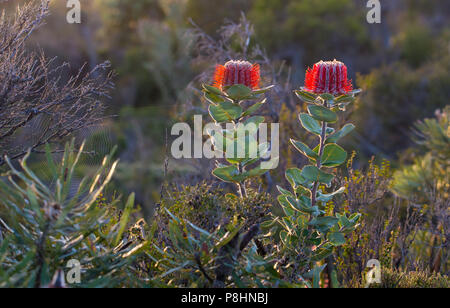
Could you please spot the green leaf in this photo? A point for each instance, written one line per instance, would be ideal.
(256, 120)
(225, 111)
(302, 204)
(322, 253)
(314, 174)
(227, 174)
(245, 149)
(124, 218)
(336, 238)
(176, 269)
(252, 109)
(345, 99)
(50, 161)
(229, 236)
(258, 171)
(239, 92)
(248, 161)
(333, 138)
(333, 155)
(304, 149)
(34, 204)
(327, 197)
(284, 191)
(302, 191)
(294, 177)
(211, 89)
(310, 124)
(305, 96)
(334, 280)
(213, 98)
(285, 205)
(356, 91)
(354, 218)
(263, 90)
(322, 113)
(317, 270)
(327, 96)
(325, 221)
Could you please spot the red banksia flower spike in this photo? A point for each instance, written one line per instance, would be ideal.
(237, 72)
(328, 77)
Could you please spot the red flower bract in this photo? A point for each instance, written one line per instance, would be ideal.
(328, 77)
(237, 72)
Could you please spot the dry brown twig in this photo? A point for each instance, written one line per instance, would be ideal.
(38, 103)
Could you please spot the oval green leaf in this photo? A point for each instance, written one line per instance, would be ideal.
(225, 112)
(333, 138)
(305, 96)
(322, 113)
(333, 155)
(310, 124)
(304, 149)
(239, 92)
(314, 174)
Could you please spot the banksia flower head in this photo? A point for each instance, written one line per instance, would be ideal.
(237, 72)
(328, 77)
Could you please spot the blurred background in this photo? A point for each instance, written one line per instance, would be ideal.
(162, 50)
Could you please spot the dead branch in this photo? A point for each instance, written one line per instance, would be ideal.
(39, 101)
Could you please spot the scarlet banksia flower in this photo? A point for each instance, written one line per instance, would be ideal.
(328, 77)
(237, 72)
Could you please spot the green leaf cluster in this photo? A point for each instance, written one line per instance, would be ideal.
(306, 230)
(239, 144)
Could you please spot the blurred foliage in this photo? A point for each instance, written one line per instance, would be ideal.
(415, 45)
(151, 45)
(121, 18)
(396, 96)
(320, 25)
(398, 279)
(210, 15)
(430, 171)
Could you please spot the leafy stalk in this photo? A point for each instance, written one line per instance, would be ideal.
(307, 231)
(226, 107)
(319, 160)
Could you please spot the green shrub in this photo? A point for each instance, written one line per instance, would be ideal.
(208, 207)
(416, 44)
(45, 225)
(429, 174)
(399, 279)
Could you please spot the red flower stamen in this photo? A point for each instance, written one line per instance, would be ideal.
(237, 72)
(328, 77)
